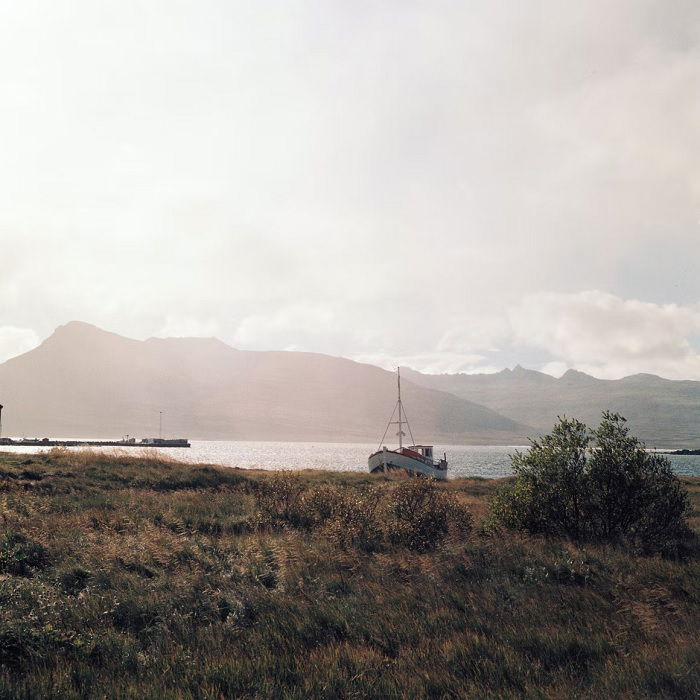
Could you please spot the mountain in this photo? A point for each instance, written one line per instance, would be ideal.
(662, 412)
(86, 382)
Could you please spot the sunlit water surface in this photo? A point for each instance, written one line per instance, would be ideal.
(464, 460)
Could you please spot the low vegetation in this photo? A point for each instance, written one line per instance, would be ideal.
(598, 486)
(125, 576)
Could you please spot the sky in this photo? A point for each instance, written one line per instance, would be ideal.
(453, 186)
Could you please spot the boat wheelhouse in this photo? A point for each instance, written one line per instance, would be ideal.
(415, 459)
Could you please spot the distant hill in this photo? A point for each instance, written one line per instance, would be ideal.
(664, 413)
(86, 382)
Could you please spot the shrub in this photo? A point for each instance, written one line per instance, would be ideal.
(611, 492)
(284, 501)
(280, 502)
(550, 485)
(324, 503)
(634, 493)
(357, 522)
(417, 514)
(423, 515)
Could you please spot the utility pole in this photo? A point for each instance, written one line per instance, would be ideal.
(160, 424)
(0, 420)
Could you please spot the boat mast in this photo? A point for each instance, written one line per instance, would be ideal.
(400, 433)
(402, 417)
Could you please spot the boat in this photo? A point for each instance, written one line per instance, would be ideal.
(415, 460)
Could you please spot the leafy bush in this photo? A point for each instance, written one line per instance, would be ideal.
(601, 485)
(634, 493)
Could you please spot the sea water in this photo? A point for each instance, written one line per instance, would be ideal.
(464, 460)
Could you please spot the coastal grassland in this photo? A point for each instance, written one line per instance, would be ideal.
(125, 576)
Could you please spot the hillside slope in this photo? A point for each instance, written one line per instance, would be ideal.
(85, 382)
(662, 412)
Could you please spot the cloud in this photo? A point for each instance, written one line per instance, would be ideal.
(607, 336)
(478, 333)
(364, 179)
(430, 362)
(592, 331)
(291, 327)
(15, 341)
(176, 326)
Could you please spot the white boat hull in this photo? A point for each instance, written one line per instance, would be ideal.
(390, 460)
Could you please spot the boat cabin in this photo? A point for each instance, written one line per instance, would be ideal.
(421, 452)
(424, 450)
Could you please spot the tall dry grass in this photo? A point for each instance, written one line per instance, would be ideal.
(132, 577)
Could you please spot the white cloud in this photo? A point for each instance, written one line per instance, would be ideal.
(15, 341)
(477, 333)
(592, 331)
(430, 362)
(607, 336)
(188, 327)
(364, 179)
(304, 325)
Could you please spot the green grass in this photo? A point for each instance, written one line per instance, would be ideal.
(145, 578)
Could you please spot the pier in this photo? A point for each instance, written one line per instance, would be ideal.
(46, 442)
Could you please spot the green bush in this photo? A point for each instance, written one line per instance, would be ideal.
(600, 485)
(634, 493)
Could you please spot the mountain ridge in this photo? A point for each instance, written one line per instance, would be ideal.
(662, 412)
(83, 381)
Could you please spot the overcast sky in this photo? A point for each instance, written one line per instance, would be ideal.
(455, 186)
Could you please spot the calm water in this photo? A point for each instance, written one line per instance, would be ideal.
(465, 460)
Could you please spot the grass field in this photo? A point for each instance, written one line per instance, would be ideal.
(134, 577)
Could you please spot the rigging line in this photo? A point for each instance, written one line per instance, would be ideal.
(387, 427)
(410, 432)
